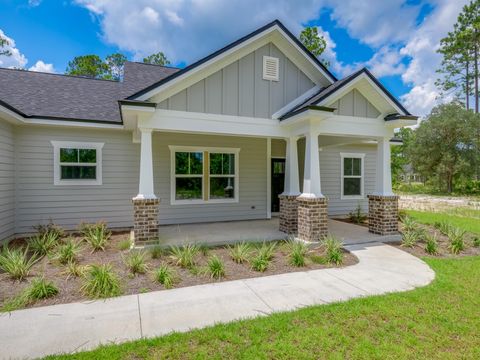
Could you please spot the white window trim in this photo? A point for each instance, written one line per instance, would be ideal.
(277, 67)
(57, 145)
(174, 149)
(362, 176)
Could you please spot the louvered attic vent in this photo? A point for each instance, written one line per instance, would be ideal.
(270, 68)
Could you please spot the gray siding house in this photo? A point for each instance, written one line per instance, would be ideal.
(259, 128)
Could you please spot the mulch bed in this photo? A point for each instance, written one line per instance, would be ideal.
(69, 289)
(443, 242)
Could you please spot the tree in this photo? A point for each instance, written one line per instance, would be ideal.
(445, 146)
(315, 43)
(400, 154)
(115, 63)
(3, 43)
(89, 66)
(157, 59)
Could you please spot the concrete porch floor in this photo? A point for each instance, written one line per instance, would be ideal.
(257, 230)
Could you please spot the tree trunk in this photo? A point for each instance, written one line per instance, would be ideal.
(476, 77)
(467, 86)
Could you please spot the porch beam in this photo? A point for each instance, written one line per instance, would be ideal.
(292, 182)
(383, 185)
(145, 188)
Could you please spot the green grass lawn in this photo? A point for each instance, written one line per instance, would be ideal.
(439, 321)
(468, 220)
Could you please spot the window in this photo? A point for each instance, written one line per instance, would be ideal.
(270, 68)
(204, 175)
(352, 175)
(77, 163)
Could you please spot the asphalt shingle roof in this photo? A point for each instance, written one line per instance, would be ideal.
(35, 94)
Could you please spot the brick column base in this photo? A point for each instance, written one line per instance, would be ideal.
(312, 218)
(288, 214)
(383, 214)
(145, 220)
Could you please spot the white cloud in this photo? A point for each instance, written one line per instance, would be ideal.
(42, 67)
(17, 59)
(34, 3)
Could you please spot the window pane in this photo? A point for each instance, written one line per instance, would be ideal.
(347, 166)
(188, 188)
(189, 163)
(357, 166)
(222, 188)
(222, 164)
(278, 168)
(352, 186)
(69, 155)
(88, 155)
(78, 172)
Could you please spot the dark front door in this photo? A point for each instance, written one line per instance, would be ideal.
(278, 181)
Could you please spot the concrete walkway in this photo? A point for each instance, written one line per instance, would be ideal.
(37, 332)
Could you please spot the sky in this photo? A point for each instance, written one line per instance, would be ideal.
(396, 39)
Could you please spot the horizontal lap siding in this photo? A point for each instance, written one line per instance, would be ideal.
(38, 200)
(252, 178)
(7, 180)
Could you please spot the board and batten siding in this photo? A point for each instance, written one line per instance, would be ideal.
(39, 200)
(239, 88)
(355, 104)
(7, 180)
(252, 179)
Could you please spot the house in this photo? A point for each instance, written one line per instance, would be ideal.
(258, 127)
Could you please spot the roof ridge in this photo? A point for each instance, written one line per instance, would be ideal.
(57, 74)
(142, 63)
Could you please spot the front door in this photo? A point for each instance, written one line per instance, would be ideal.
(278, 181)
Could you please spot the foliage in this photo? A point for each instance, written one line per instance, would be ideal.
(443, 226)
(16, 262)
(40, 288)
(43, 244)
(456, 237)
(240, 252)
(73, 269)
(67, 252)
(124, 244)
(314, 42)
(91, 66)
(333, 248)
(409, 238)
(298, 251)
(216, 267)
(115, 63)
(135, 262)
(468, 221)
(267, 250)
(100, 281)
(97, 235)
(49, 228)
(184, 256)
(399, 154)
(157, 59)
(476, 241)
(260, 263)
(4, 43)
(156, 251)
(431, 244)
(204, 249)
(165, 276)
(356, 216)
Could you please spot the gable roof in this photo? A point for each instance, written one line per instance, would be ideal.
(54, 96)
(231, 46)
(329, 90)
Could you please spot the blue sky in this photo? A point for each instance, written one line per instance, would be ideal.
(396, 39)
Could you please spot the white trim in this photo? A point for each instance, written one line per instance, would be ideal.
(57, 145)
(269, 178)
(295, 102)
(210, 150)
(362, 176)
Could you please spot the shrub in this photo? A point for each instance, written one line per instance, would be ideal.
(267, 250)
(156, 252)
(456, 237)
(15, 303)
(165, 276)
(67, 252)
(43, 243)
(356, 216)
(409, 239)
(317, 259)
(204, 249)
(184, 256)
(216, 267)
(135, 262)
(333, 248)
(409, 224)
(51, 229)
(298, 250)
(431, 245)
(476, 241)
(73, 269)
(16, 262)
(260, 263)
(124, 244)
(97, 235)
(240, 253)
(101, 282)
(444, 227)
(41, 289)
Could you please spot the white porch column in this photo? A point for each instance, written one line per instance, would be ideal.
(292, 182)
(311, 176)
(145, 188)
(383, 185)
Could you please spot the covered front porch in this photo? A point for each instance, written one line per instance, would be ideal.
(219, 233)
